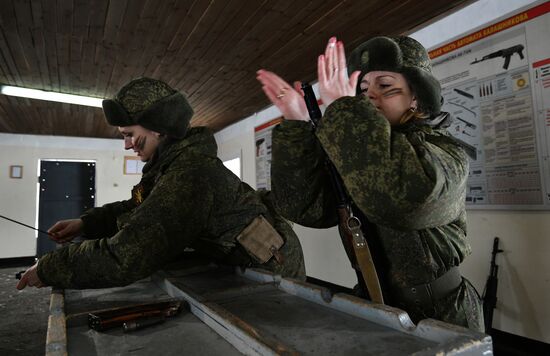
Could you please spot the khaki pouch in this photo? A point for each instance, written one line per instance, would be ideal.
(261, 240)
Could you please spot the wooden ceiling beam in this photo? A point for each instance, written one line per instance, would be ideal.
(210, 49)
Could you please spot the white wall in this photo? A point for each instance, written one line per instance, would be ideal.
(18, 197)
(524, 268)
(524, 275)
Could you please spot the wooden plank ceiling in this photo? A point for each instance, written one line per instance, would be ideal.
(209, 49)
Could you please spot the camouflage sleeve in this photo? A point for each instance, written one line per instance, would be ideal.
(299, 181)
(102, 221)
(170, 219)
(396, 179)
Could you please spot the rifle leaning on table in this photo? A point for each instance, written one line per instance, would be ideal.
(490, 293)
(349, 225)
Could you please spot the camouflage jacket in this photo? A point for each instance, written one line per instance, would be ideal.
(187, 199)
(408, 181)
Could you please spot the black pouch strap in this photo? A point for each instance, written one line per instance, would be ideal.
(426, 295)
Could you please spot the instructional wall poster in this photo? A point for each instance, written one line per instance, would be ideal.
(262, 139)
(496, 83)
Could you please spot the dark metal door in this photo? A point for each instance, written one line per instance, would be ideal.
(67, 189)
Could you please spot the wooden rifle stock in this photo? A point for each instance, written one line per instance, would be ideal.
(349, 226)
(111, 318)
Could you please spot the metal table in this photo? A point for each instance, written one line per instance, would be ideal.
(234, 311)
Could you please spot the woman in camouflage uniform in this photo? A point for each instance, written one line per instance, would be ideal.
(185, 199)
(385, 134)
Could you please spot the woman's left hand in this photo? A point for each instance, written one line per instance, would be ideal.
(332, 71)
(30, 278)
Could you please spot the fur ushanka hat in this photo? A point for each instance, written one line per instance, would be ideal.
(152, 104)
(401, 55)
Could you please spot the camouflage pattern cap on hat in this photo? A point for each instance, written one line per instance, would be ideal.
(390, 54)
(414, 54)
(139, 94)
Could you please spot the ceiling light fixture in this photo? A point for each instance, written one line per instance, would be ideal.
(50, 96)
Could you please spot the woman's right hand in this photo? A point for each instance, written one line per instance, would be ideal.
(289, 100)
(66, 230)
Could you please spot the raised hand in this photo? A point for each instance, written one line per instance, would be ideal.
(332, 71)
(289, 100)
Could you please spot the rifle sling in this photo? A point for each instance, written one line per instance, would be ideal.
(368, 271)
(363, 257)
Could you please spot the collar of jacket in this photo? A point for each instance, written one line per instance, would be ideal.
(441, 121)
(155, 160)
(197, 141)
(438, 123)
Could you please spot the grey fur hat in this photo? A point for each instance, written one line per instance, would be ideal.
(152, 104)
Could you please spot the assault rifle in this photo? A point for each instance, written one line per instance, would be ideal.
(490, 292)
(468, 123)
(505, 53)
(349, 225)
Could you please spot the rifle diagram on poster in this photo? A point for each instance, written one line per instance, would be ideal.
(492, 88)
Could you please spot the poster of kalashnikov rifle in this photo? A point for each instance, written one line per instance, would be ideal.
(496, 83)
(262, 140)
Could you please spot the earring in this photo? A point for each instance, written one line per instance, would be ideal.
(407, 115)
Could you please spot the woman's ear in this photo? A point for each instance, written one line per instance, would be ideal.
(414, 104)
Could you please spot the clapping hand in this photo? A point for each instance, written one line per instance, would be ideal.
(289, 100)
(332, 71)
(334, 83)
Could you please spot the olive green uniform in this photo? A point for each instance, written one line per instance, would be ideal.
(408, 181)
(186, 199)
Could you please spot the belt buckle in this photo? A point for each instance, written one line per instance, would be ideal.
(422, 299)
